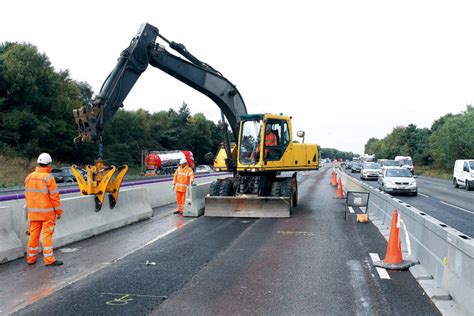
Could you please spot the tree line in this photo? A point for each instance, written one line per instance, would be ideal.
(36, 104)
(450, 137)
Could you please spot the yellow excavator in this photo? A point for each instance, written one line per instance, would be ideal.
(264, 159)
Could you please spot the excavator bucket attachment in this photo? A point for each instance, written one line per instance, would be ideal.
(99, 181)
(248, 206)
(114, 186)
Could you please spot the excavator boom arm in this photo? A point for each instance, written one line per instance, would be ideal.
(133, 61)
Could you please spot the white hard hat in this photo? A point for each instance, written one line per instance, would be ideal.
(44, 159)
(183, 161)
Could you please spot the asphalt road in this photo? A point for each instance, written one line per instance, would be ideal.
(438, 198)
(312, 263)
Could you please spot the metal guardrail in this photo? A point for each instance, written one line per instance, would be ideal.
(444, 252)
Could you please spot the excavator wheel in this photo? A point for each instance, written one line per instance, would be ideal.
(287, 191)
(226, 188)
(276, 189)
(215, 188)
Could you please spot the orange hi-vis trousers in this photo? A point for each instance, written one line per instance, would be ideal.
(36, 227)
(180, 200)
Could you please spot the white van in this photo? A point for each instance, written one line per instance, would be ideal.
(463, 173)
(406, 162)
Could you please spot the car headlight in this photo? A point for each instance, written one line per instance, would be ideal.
(472, 174)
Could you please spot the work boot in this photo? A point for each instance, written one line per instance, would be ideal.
(176, 212)
(55, 263)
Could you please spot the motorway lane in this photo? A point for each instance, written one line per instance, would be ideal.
(312, 263)
(438, 198)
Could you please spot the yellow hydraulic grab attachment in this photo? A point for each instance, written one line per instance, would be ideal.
(99, 181)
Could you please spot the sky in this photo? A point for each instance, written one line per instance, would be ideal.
(345, 71)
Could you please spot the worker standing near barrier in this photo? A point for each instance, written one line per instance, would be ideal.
(183, 177)
(44, 207)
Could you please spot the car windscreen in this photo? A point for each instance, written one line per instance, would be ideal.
(371, 165)
(471, 164)
(398, 173)
(392, 163)
(57, 171)
(407, 162)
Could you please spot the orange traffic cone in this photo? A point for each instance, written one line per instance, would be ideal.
(333, 181)
(393, 258)
(340, 194)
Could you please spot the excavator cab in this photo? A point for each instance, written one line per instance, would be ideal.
(267, 160)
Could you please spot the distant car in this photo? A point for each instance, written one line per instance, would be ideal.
(406, 162)
(390, 163)
(63, 175)
(463, 174)
(370, 170)
(203, 169)
(356, 167)
(349, 164)
(397, 180)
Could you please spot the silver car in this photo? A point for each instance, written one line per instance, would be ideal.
(397, 180)
(370, 170)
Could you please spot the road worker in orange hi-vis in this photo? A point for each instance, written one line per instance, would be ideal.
(44, 207)
(183, 177)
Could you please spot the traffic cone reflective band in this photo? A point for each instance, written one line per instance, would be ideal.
(393, 258)
(333, 181)
(340, 194)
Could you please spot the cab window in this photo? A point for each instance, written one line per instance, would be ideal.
(277, 138)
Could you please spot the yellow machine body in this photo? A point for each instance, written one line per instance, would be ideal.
(100, 180)
(291, 156)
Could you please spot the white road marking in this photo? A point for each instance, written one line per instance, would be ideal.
(383, 274)
(423, 194)
(459, 208)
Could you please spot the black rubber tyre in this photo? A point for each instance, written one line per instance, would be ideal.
(276, 189)
(467, 186)
(215, 188)
(295, 194)
(286, 188)
(455, 183)
(226, 188)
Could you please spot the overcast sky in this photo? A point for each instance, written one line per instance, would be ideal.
(345, 70)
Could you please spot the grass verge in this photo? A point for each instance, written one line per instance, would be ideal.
(434, 172)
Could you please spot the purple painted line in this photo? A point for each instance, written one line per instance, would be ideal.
(19, 196)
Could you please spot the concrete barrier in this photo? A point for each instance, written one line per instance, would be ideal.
(446, 254)
(195, 199)
(10, 244)
(81, 221)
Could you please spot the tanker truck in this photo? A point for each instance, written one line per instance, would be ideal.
(164, 162)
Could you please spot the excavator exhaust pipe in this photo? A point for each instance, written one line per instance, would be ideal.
(248, 206)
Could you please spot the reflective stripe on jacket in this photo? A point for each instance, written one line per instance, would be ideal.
(41, 195)
(182, 178)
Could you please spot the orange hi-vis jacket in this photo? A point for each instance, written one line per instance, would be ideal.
(270, 140)
(182, 178)
(41, 194)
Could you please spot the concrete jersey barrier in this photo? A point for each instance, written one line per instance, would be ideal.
(10, 244)
(444, 252)
(80, 220)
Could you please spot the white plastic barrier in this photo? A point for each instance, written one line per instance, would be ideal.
(10, 244)
(195, 199)
(444, 252)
